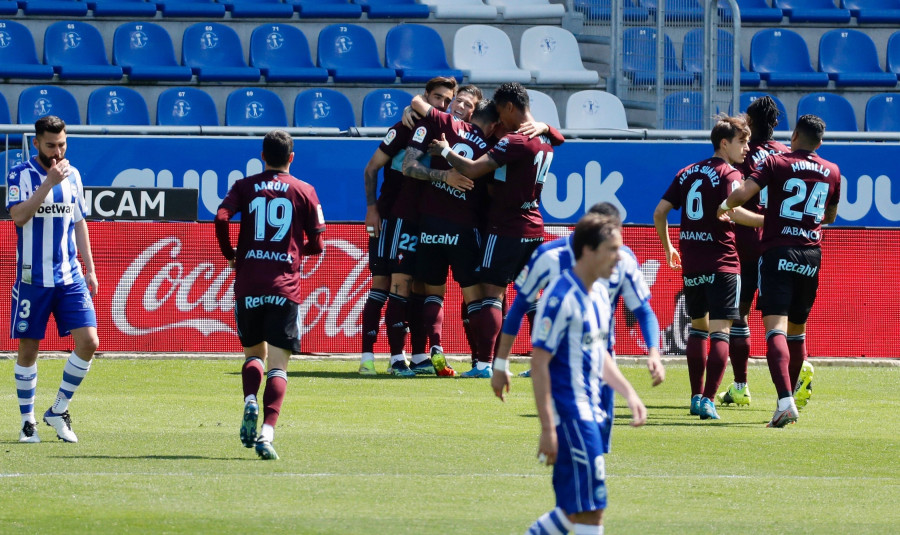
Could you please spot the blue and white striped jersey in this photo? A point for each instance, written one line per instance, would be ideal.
(573, 325)
(46, 252)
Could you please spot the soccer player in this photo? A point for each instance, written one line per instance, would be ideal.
(389, 155)
(276, 211)
(804, 190)
(712, 269)
(45, 199)
(545, 264)
(569, 364)
(762, 117)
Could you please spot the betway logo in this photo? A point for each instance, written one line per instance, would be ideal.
(581, 192)
(55, 209)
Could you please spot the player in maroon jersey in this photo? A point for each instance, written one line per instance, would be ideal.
(276, 211)
(762, 117)
(710, 264)
(803, 194)
(380, 218)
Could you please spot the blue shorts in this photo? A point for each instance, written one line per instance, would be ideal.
(579, 475)
(71, 306)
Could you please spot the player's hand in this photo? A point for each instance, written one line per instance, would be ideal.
(437, 145)
(533, 128)
(548, 447)
(638, 410)
(409, 117)
(656, 368)
(58, 171)
(92, 284)
(373, 222)
(724, 215)
(673, 259)
(459, 181)
(500, 384)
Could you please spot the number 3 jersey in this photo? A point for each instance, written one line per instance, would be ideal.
(46, 252)
(801, 186)
(276, 210)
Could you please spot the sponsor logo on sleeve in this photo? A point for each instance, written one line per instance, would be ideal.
(320, 214)
(13, 194)
(523, 275)
(419, 136)
(390, 136)
(544, 329)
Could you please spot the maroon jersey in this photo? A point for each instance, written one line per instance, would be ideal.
(801, 186)
(394, 145)
(406, 205)
(465, 139)
(706, 243)
(749, 238)
(524, 164)
(276, 210)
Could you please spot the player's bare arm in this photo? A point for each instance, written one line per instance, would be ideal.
(614, 378)
(22, 212)
(739, 196)
(420, 106)
(548, 444)
(742, 216)
(414, 168)
(83, 243)
(370, 174)
(474, 169)
(830, 214)
(660, 221)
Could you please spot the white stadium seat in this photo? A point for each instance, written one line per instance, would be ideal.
(527, 9)
(461, 9)
(592, 109)
(485, 54)
(543, 108)
(552, 55)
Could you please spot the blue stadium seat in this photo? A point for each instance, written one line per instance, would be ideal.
(76, 52)
(258, 9)
(186, 106)
(692, 58)
(123, 8)
(55, 8)
(527, 9)
(883, 113)
(850, 58)
(893, 53)
(254, 107)
(214, 52)
(781, 58)
(752, 11)
(683, 110)
(18, 58)
(461, 9)
(38, 101)
(417, 53)
(145, 52)
(324, 108)
(835, 110)
(117, 106)
(384, 107)
(394, 9)
(9, 7)
(281, 53)
(350, 54)
(327, 9)
(11, 140)
(874, 11)
(813, 11)
(11, 158)
(5, 118)
(677, 10)
(747, 98)
(191, 8)
(602, 10)
(639, 61)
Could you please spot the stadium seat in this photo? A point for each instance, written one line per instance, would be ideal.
(813, 11)
(781, 58)
(639, 61)
(417, 53)
(281, 53)
(893, 53)
(683, 111)
(551, 54)
(54, 8)
(677, 10)
(323, 108)
(484, 53)
(122, 8)
(214, 52)
(543, 108)
(835, 110)
(5, 117)
(76, 52)
(145, 52)
(9, 7)
(747, 98)
(384, 107)
(601, 10)
(692, 58)
(350, 54)
(38, 101)
(850, 58)
(527, 9)
(461, 9)
(394, 9)
(592, 109)
(11, 158)
(117, 106)
(186, 106)
(254, 107)
(752, 11)
(874, 11)
(883, 113)
(18, 58)
(191, 8)
(328, 9)
(258, 9)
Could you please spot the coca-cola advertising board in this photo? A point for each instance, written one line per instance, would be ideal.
(164, 287)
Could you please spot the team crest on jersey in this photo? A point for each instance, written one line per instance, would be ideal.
(22, 326)
(419, 136)
(553, 302)
(390, 136)
(13, 194)
(520, 280)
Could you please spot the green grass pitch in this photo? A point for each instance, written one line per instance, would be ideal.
(158, 452)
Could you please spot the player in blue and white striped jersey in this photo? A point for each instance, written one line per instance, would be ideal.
(45, 199)
(570, 363)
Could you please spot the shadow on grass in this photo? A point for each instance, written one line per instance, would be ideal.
(159, 457)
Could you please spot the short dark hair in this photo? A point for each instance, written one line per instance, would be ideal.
(277, 148)
(486, 111)
(727, 127)
(762, 118)
(471, 90)
(605, 208)
(441, 81)
(512, 92)
(49, 123)
(811, 128)
(592, 230)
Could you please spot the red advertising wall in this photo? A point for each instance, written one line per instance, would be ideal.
(164, 287)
